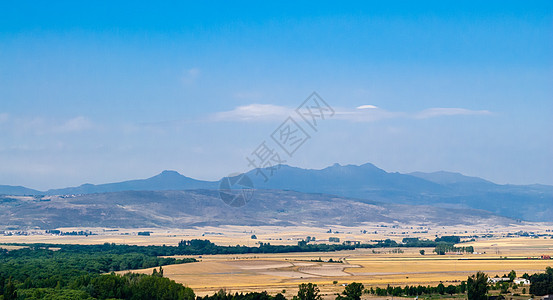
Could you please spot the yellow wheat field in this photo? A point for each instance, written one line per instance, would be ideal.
(277, 272)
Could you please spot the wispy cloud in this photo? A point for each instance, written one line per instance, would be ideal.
(190, 76)
(366, 113)
(76, 124)
(254, 112)
(41, 125)
(366, 106)
(362, 113)
(442, 111)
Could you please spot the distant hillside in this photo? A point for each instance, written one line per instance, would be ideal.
(166, 180)
(442, 177)
(182, 209)
(365, 182)
(17, 190)
(442, 189)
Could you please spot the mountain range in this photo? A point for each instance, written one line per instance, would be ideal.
(192, 208)
(366, 184)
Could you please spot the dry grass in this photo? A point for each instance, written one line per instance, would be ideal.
(276, 235)
(275, 272)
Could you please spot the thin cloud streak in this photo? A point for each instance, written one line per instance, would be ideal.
(254, 112)
(362, 113)
(42, 126)
(441, 111)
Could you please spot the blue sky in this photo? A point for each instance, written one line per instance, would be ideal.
(100, 91)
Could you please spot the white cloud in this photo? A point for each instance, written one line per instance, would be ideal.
(367, 106)
(366, 113)
(363, 113)
(76, 124)
(41, 125)
(254, 112)
(442, 111)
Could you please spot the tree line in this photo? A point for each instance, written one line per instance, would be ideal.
(205, 247)
(475, 288)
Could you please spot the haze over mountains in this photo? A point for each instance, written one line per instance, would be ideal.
(183, 209)
(364, 184)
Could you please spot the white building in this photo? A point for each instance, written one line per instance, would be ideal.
(518, 281)
(521, 281)
(496, 280)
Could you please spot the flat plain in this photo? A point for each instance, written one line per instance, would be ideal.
(277, 272)
(496, 254)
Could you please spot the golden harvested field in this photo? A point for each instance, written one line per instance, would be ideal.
(275, 272)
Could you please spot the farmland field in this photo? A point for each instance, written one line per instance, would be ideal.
(373, 267)
(276, 235)
(277, 272)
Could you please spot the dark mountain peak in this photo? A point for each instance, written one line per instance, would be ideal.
(166, 180)
(169, 174)
(353, 170)
(369, 166)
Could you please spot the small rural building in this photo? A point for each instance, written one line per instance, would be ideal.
(352, 243)
(521, 281)
(496, 280)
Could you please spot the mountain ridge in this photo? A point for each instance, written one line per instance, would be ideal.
(364, 182)
(197, 183)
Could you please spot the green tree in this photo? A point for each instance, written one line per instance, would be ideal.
(512, 275)
(504, 288)
(440, 289)
(353, 291)
(542, 283)
(463, 287)
(451, 289)
(421, 252)
(10, 292)
(308, 291)
(477, 286)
